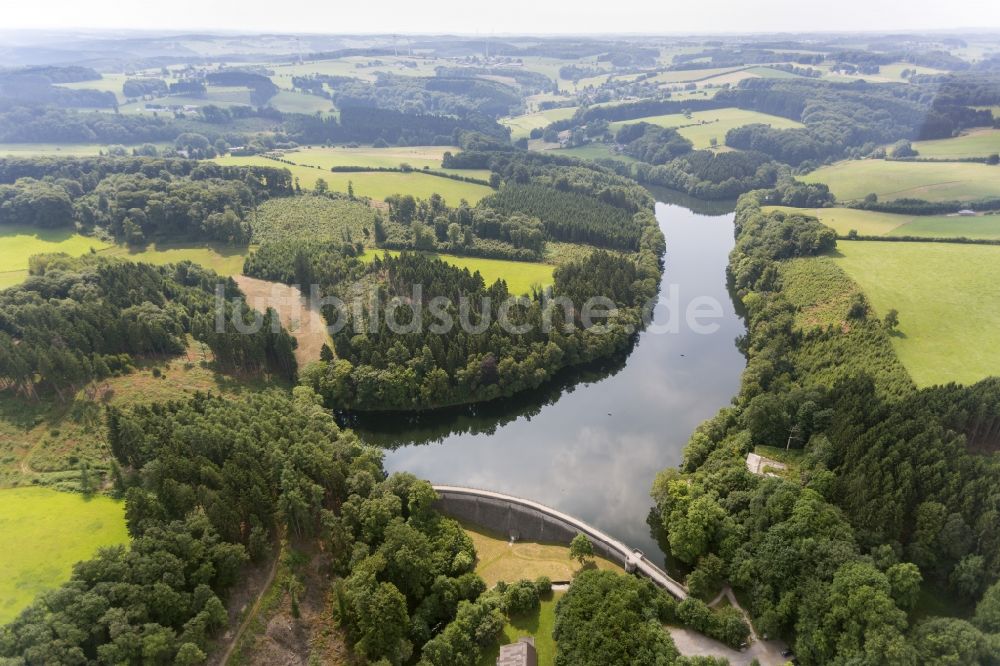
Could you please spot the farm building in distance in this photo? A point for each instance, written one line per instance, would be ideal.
(521, 653)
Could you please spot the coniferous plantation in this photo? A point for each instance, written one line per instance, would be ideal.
(262, 293)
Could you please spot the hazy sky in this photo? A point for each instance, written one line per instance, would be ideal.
(506, 16)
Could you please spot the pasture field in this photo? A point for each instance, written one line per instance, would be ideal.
(550, 68)
(538, 624)
(521, 126)
(702, 126)
(933, 181)
(520, 276)
(226, 260)
(498, 559)
(419, 157)
(600, 79)
(843, 220)
(288, 101)
(978, 143)
(948, 298)
(45, 532)
(732, 78)
(947, 226)
(891, 73)
(57, 149)
(367, 156)
(11, 278)
(18, 242)
(684, 76)
(374, 184)
(108, 83)
(593, 151)
(217, 95)
(870, 223)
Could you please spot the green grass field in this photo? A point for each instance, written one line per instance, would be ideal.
(706, 125)
(373, 184)
(18, 242)
(224, 259)
(56, 149)
(593, 151)
(288, 101)
(683, 76)
(843, 220)
(519, 275)
(979, 143)
(44, 533)
(217, 95)
(108, 83)
(521, 126)
(538, 624)
(870, 223)
(498, 559)
(947, 226)
(854, 179)
(948, 298)
(418, 157)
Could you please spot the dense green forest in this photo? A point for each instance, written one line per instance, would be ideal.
(461, 351)
(890, 497)
(481, 231)
(136, 200)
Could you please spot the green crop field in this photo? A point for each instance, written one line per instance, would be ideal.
(520, 276)
(933, 181)
(45, 532)
(521, 126)
(18, 242)
(948, 298)
(979, 143)
(702, 126)
(374, 184)
(537, 624)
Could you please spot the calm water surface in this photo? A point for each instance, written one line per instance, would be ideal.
(591, 443)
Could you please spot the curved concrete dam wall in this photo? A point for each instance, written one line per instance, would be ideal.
(525, 520)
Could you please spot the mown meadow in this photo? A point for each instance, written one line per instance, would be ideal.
(45, 532)
(948, 299)
(933, 181)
